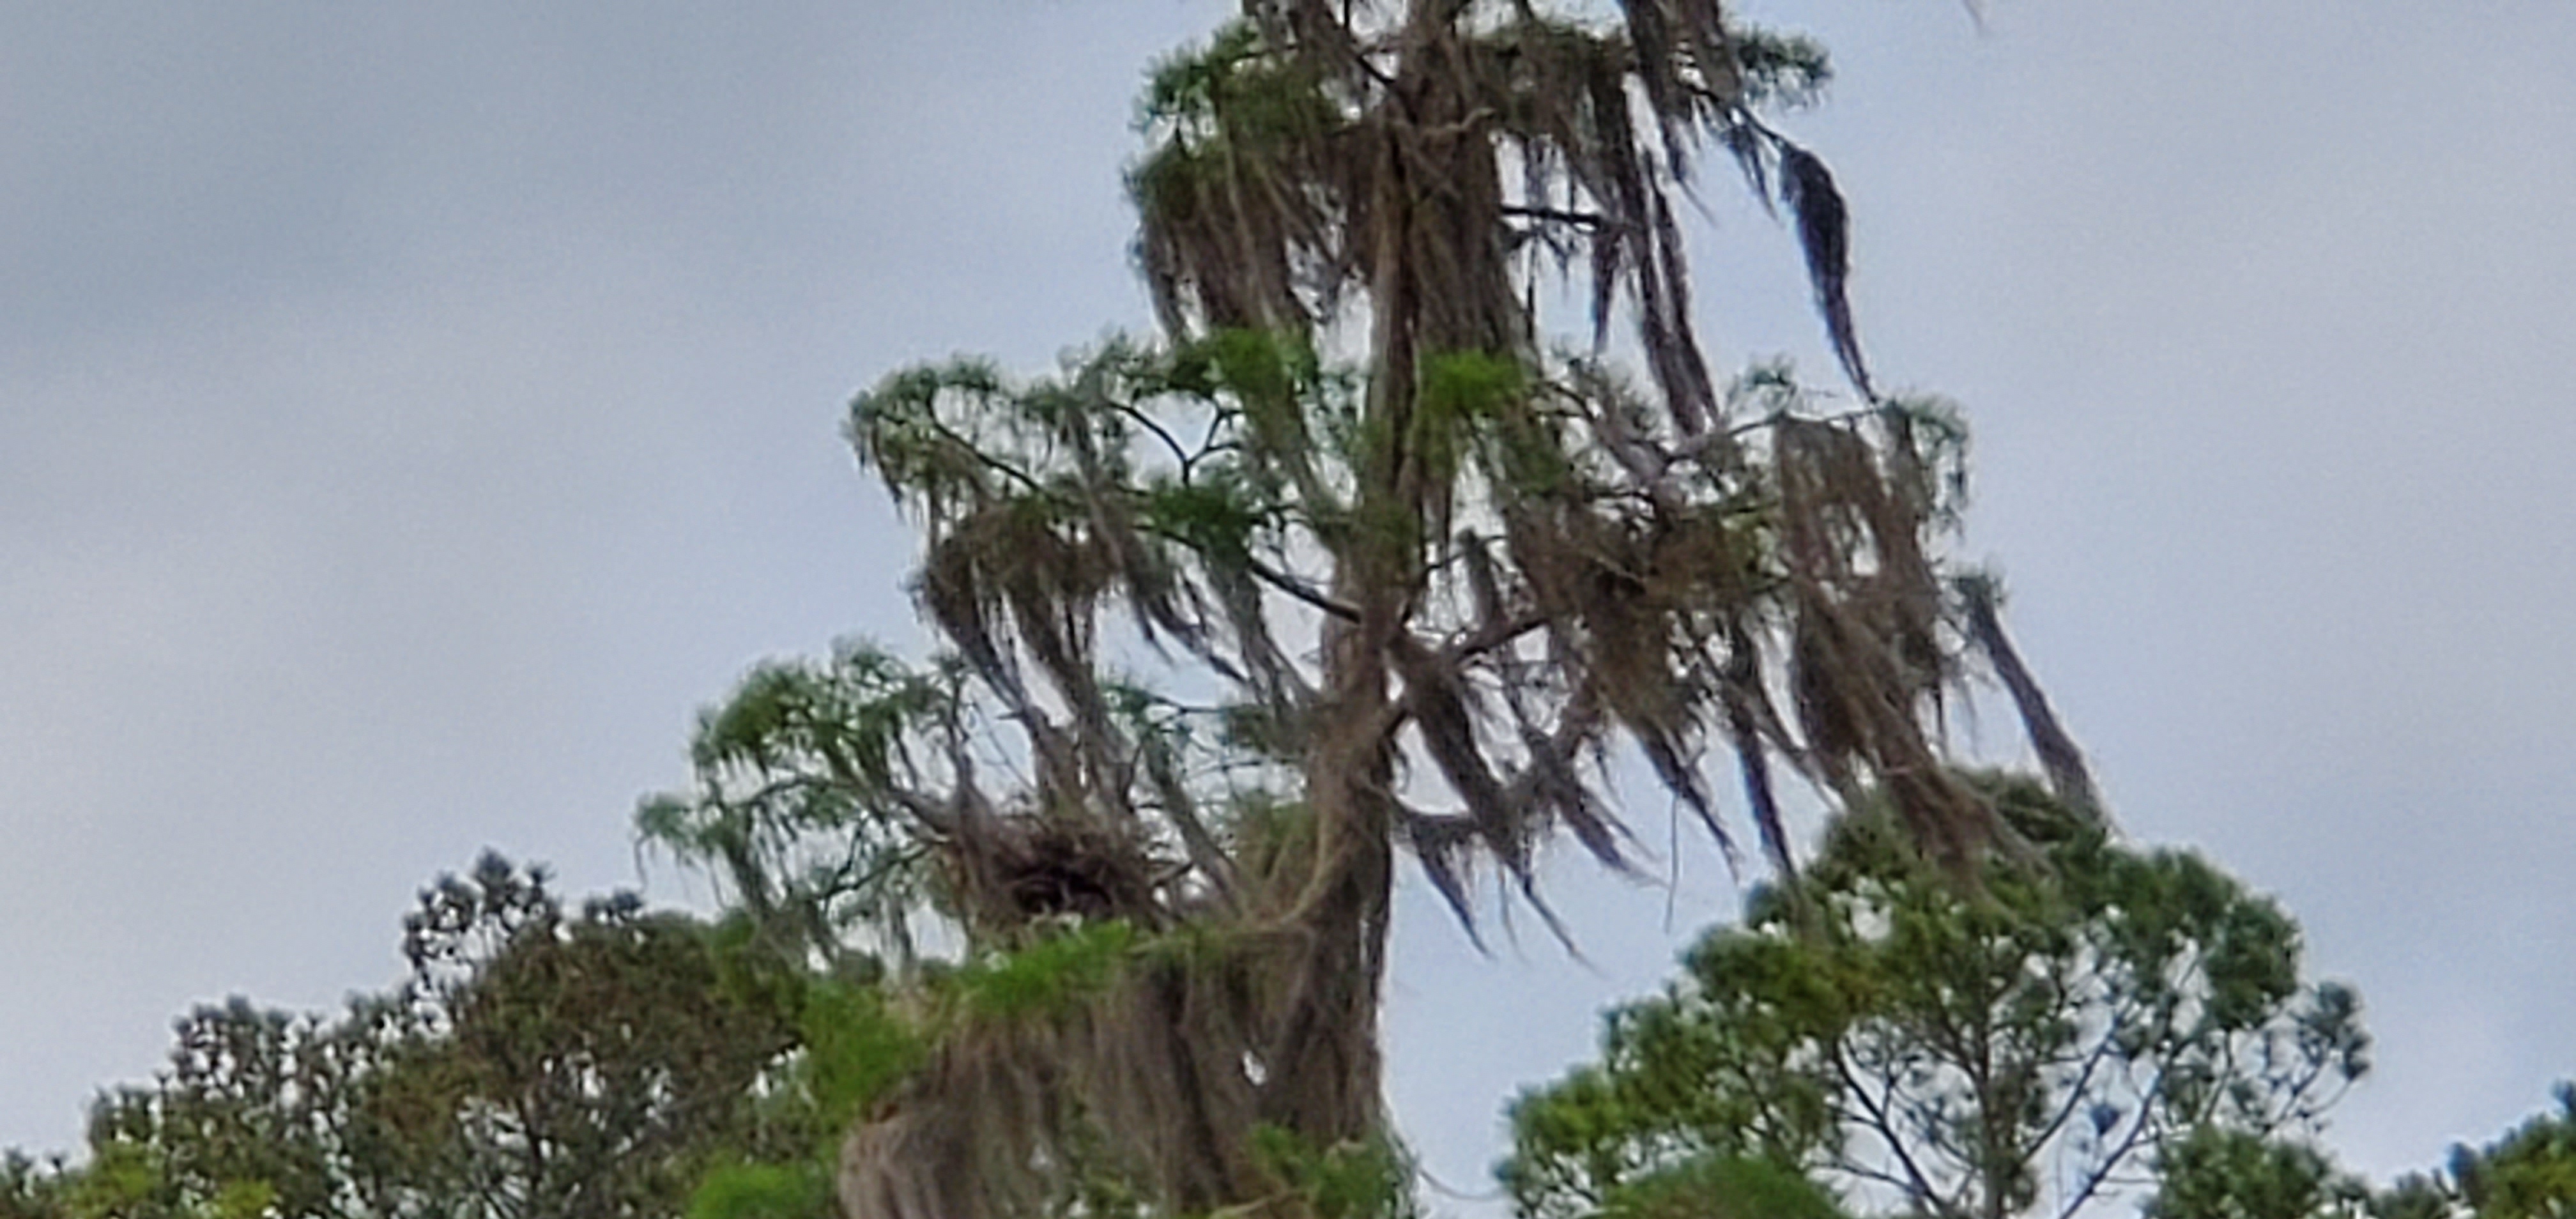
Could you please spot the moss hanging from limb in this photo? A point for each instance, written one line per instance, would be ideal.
(1404, 576)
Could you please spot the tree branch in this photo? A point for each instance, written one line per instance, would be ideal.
(1884, 1125)
(1181, 456)
(2112, 1159)
(1299, 589)
(1492, 636)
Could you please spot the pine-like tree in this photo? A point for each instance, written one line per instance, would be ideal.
(1407, 564)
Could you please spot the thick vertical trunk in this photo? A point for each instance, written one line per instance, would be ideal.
(1324, 1073)
(1322, 1079)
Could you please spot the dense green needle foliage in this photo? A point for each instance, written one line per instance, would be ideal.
(2220, 1173)
(2044, 1042)
(2529, 1173)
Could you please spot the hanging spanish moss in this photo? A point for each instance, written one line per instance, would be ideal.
(1364, 556)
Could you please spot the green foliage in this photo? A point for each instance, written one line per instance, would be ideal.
(242, 1200)
(584, 1063)
(853, 1051)
(2029, 1042)
(764, 1191)
(122, 1181)
(249, 1100)
(1048, 977)
(856, 1050)
(1229, 80)
(2217, 1173)
(806, 748)
(1366, 1179)
(2529, 1173)
(1467, 395)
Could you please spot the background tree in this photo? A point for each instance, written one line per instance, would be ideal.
(1405, 562)
(2530, 1173)
(572, 1065)
(537, 1062)
(2089, 1014)
(255, 1104)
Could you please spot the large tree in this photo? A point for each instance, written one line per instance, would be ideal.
(1406, 560)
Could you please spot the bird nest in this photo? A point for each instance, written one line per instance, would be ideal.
(1025, 868)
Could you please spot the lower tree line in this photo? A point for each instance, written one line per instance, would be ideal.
(2081, 1026)
(537, 1060)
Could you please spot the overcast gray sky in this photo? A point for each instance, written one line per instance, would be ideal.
(410, 413)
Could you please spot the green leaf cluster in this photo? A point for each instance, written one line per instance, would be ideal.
(1048, 978)
(764, 1191)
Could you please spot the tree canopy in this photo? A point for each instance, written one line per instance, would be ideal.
(2528, 1173)
(2061, 1035)
(538, 1062)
